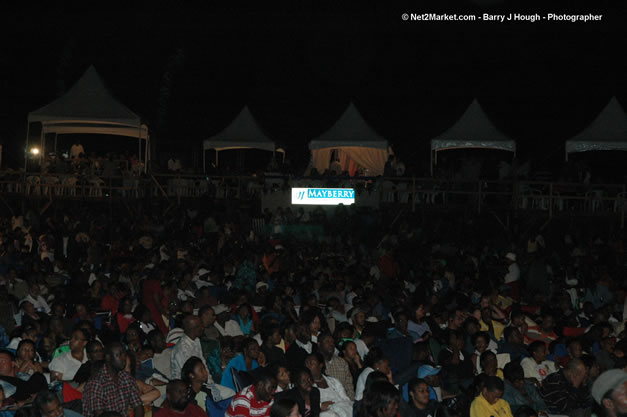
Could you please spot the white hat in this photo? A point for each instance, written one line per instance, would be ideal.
(261, 284)
(220, 308)
(606, 382)
(511, 256)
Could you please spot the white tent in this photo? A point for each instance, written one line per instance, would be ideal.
(354, 140)
(243, 133)
(608, 132)
(88, 107)
(472, 130)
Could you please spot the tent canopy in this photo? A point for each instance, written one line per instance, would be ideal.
(355, 141)
(243, 133)
(89, 107)
(608, 132)
(473, 130)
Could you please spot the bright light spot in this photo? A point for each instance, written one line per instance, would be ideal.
(34, 151)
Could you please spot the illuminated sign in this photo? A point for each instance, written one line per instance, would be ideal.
(323, 196)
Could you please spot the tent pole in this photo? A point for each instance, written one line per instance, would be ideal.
(26, 148)
(42, 146)
(56, 136)
(204, 161)
(216, 158)
(431, 162)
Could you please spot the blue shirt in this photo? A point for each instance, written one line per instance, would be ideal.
(418, 328)
(238, 363)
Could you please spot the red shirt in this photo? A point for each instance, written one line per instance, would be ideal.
(246, 404)
(110, 303)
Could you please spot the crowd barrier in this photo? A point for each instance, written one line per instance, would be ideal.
(274, 190)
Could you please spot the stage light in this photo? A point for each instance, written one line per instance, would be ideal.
(34, 151)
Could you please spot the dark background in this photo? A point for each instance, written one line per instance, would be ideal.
(189, 70)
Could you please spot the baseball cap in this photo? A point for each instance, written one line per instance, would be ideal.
(511, 256)
(428, 370)
(261, 284)
(607, 381)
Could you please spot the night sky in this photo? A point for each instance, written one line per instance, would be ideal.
(189, 71)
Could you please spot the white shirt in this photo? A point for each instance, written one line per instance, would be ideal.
(361, 383)
(39, 303)
(67, 365)
(514, 273)
(307, 347)
(362, 349)
(231, 328)
(535, 370)
(342, 405)
(162, 362)
(184, 349)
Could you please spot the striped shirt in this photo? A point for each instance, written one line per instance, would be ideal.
(246, 404)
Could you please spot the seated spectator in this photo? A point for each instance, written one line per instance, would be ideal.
(512, 344)
(245, 361)
(537, 367)
(544, 332)
(457, 368)
(431, 376)
(256, 399)
(26, 360)
(23, 389)
(208, 318)
(419, 404)
(418, 326)
(375, 361)
(574, 349)
(564, 392)
(302, 346)
(112, 388)
(48, 405)
(64, 366)
(304, 394)
(490, 325)
(124, 316)
(178, 402)
(35, 298)
(331, 390)
(271, 337)
(489, 402)
(188, 345)
(283, 377)
(606, 357)
(244, 320)
(28, 331)
(335, 366)
(610, 390)
(482, 343)
(285, 407)
(519, 392)
(147, 392)
(348, 352)
(489, 364)
(162, 354)
(382, 401)
(225, 325)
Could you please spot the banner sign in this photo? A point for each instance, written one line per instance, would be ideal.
(323, 196)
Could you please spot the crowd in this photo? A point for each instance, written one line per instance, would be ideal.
(189, 312)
